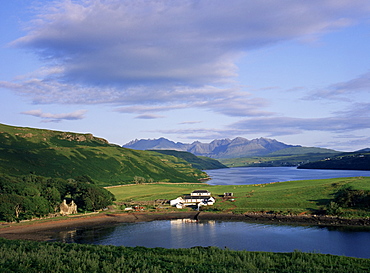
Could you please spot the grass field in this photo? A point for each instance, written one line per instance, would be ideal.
(295, 197)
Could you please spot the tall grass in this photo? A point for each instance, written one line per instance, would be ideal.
(26, 256)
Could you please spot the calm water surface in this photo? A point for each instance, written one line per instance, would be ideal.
(259, 175)
(233, 235)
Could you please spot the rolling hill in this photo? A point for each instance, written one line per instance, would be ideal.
(199, 162)
(359, 160)
(68, 155)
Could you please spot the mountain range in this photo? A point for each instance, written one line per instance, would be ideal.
(225, 148)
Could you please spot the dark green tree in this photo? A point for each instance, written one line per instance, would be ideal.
(91, 197)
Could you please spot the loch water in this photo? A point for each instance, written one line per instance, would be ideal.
(237, 235)
(260, 175)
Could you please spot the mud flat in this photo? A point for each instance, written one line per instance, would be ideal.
(288, 219)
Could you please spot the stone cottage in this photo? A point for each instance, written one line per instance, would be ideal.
(66, 209)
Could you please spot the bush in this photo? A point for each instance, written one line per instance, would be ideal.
(333, 208)
(351, 198)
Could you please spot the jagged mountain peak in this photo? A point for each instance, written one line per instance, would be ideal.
(218, 148)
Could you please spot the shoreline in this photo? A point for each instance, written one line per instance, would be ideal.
(47, 229)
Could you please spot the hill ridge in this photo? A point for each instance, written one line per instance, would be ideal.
(49, 153)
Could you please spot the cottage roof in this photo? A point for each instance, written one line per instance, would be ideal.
(196, 197)
(200, 191)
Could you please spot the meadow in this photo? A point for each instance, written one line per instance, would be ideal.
(292, 197)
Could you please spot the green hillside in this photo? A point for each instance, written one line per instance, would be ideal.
(302, 151)
(199, 162)
(343, 161)
(274, 160)
(65, 155)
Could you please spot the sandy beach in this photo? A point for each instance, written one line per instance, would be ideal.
(45, 229)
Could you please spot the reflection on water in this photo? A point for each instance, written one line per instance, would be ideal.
(67, 236)
(258, 175)
(233, 235)
(83, 236)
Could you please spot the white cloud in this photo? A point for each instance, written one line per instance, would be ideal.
(149, 56)
(356, 110)
(190, 122)
(278, 126)
(340, 91)
(48, 117)
(149, 117)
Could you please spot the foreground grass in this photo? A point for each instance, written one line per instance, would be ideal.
(295, 197)
(26, 256)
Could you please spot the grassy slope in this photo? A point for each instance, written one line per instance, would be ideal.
(274, 160)
(285, 197)
(26, 256)
(199, 162)
(67, 155)
(292, 156)
(346, 161)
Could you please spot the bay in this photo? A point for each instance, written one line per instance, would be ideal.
(261, 175)
(182, 233)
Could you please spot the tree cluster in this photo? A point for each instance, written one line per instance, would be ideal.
(347, 197)
(31, 196)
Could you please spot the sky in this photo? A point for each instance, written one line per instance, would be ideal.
(296, 71)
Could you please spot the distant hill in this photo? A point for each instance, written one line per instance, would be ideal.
(199, 162)
(302, 151)
(344, 161)
(226, 148)
(68, 155)
(366, 150)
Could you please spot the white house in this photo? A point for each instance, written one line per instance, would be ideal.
(196, 198)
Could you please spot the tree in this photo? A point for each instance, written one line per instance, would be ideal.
(11, 207)
(91, 197)
(52, 195)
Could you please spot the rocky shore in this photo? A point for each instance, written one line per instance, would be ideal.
(45, 230)
(288, 219)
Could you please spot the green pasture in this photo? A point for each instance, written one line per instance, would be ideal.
(306, 196)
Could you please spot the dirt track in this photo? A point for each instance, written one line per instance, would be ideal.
(43, 230)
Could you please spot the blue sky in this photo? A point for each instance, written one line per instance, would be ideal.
(296, 71)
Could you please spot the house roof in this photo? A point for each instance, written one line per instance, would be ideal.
(200, 191)
(196, 197)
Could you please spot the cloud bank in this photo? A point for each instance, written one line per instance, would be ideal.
(163, 53)
(148, 57)
(48, 117)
